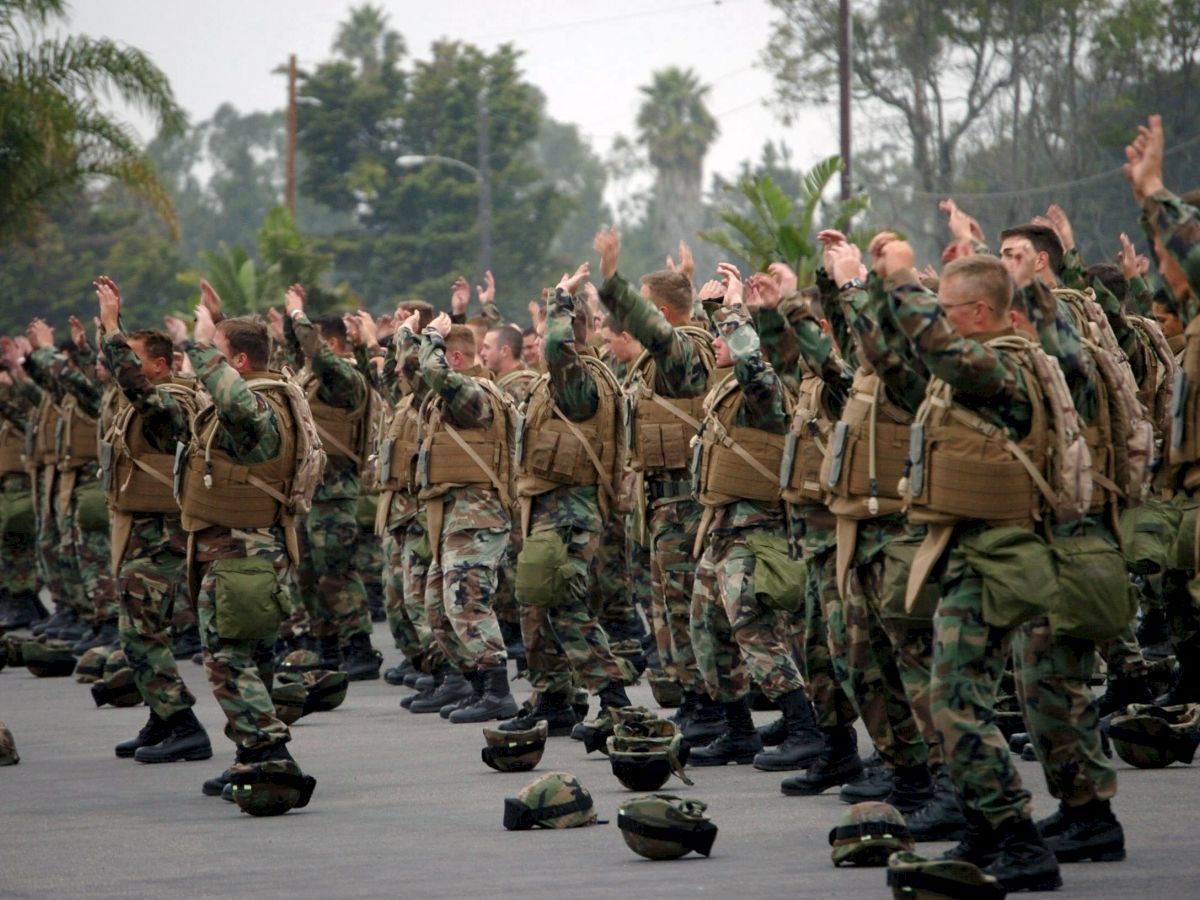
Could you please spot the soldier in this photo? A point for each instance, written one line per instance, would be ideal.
(149, 543)
(20, 606)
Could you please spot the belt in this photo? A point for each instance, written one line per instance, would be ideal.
(661, 490)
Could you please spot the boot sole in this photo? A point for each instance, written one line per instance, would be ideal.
(1098, 854)
(363, 676)
(1033, 883)
(121, 754)
(702, 763)
(190, 756)
(785, 767)
(500, 714)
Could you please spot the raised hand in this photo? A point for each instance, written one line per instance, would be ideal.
(275, 321)
(891, 254)
(1145, 159)
(441, 324)
(608, 245)
(734, 289)
(569, 284)
(177, 329)
(210, 300)
(784, 276)
(78, 333)
(40, 334)
(846, 263)
(765, 289)
(205, 326)
(460, 296)
(293, 302)
(109, 296)
(962, 226)
(486, 292)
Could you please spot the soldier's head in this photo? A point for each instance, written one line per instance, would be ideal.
(424, 311)
(460, 348)
(244, 342)
(671, 292)
(502, 349)
(1172, 272)
(1166, 312)
(479, 327)
(333, 329)
(975, 294)
(531, 347)
(155, 352)
(621, 344)
(1111, 277)
(1031, 251)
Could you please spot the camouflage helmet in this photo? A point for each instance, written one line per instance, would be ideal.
(667, 693)
(1151, 737)
(665, 827)
(912, 877)
(299, 662)
(515, 751)
(116, 661)
(326, 690)
(868, 834)
(118, 687)
(556, 800)
(630, 659)
(646, 763)
(52, 659)
(8, 747)
(270, 788)
(90, 667)
(15, 646)
(290, 699)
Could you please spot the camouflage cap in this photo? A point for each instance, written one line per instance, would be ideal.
(326, 690)
(556, 800)
(8, 747)
(1152, 737)
(868, 834)
(662, 826)
(290, 699)
(299, 662)
(270, 788)
(515, 751)
(51, 659)
(667, 693)
(646, 763)
(118, 687)
(90, 667)
(912, 877)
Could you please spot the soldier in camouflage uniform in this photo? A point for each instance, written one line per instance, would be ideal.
(151, 547)
(19, 603)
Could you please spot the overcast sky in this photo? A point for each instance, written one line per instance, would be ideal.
(588, 58)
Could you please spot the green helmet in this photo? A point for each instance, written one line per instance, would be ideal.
(118, 687)
(290, 699)
(667, 693)
(326, 690)
(1152, 737)
(15, 646)
(646, 763)
(270, 788)
(52, 659)
(515, 751)
(665, 827)
(868, 834)
(8, 747)
(90, 667)
(912, 877)
(556, 800)
(299, 662)
(115, 662)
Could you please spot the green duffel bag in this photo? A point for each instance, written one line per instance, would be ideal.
(1096, 601)
(543, 567)
(1148, 533)
(250, 602)
(898, 557)
(779, 580)
(1018, 574)
(17, 514)
(91, 506)
(368, 507)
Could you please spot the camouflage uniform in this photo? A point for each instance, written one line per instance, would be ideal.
(18, 550)
(516, 385)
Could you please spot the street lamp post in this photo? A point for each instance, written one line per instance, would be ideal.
(485, 197)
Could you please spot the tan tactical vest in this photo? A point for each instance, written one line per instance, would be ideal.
(518, 384)
(343, 431)
(807, 444)
(737, 462)
(12, 448)
(460, 457)
(45, 430)
(401, 446)
(138, 478)
(219, 490)
(867, 452)
(663, 427)
(77, 440)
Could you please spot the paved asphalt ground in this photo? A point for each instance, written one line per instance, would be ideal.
(404, 808)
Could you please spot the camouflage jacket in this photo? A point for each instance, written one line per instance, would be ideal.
(1059, 339)
(165, 420)
(1178, 226)
(63, 376)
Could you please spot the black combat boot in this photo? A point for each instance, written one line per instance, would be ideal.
(551, 708)
(1120, 691)
(21, 611)
(454, 687)
(477, 690)
(496, 703)
(424, 690)
(774, 734)
(738, 743)
(977, 845)
(73, 631)
(804, 741)
(1024, 862)
(705, 722)
(941, 819)
(362, 661)
(875, 783)
(396, 674)
(103, 635)
(62, 615)
(331, 652)
(837, 764)
(912, 788)
(187, 642)
(1186, 686)
(683, 713)
(215, 786)
(1088, 831)
(155, 730)
(187, 741)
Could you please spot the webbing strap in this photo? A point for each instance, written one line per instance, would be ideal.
(869, 829)
(152, 472)
(730, 444)
(475, 458)
(603, 476)
(974, 422)
(673, 410)
(699, 837)
(337, 445)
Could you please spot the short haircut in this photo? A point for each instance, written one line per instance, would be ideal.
(529, 332)
(672, 289)
(157, 344)
(248, 335)
(332, 325)
(987, 279)
(615, 325)
(1111, 277)
(462, 339)
(1163, 298)
(1044, 240)
(423, 309)
(507, 336)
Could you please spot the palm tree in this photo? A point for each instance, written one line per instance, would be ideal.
(53, 134)
(676, 128)
(365, 39)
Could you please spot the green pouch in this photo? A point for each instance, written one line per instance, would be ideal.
(368, 506)
(1095, 598)
(250, 602)
(16, 513)
(91, 506)
(779, 580)
(1148, 533)
(542, 570)
(1183, 554)
(1018, 574)
(897, 562)
(423, 549)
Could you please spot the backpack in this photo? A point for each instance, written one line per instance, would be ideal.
(1161, 366)
(310, 460)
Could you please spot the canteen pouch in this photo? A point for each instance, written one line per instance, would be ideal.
(898, 556)
(1018, 574)
(542, 569)
(91, 507)
(250, 602)
(16, 513)
(1148, 535)
(107, 452)
(779, 580)
(1095, 598)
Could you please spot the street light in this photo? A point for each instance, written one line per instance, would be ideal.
(410, 161)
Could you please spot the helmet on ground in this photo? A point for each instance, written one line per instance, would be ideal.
(90, 667)
(556, 800)
(297, 663)
(667, 693)
(912, 877)
(15, 646)
(270, 788)
(1151, 737)
(52, 659)
(665, 827)
(8, 747)
(645, 763)
(515, 751)
(116, 661)
(290, 699)
(326, 690)
(118, 687)
(868, 834)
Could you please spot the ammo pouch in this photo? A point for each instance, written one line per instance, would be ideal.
(91, 506)
(543, 568)
(1018, 573)
(1096, 600)
(250, 602)
(779, 580)
(17, 514)
(898, 558)
(1148, 535)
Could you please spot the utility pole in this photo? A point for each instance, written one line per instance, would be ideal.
(485, 184)
(844, 92)
(290, 188)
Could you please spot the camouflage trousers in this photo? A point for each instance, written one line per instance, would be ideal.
(505, 601)
(736, 637)
(368, 562)
(564, 643)
(408, 564)
(153, 569)
(18, 548)
(611, 593)
(332, 588)
(1051, 675)
(92, 549)
(833, 708)
(240, 671)
(459, 588)
(912, 643)
(60, 574)
(638, 573)
(672, 525)
(1123, 654)
(968, 662)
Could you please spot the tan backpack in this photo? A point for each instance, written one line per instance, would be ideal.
(309, 470)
